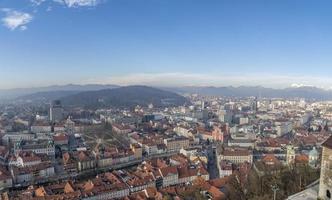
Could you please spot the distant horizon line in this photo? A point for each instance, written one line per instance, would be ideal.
(161, 86)
(182, 79)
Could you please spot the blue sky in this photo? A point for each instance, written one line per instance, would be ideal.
(166, 42)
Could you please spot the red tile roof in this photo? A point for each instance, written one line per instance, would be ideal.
(166, 171)
(216, 193)
(328, 143)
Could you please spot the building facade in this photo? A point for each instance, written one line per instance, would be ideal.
(325, 182)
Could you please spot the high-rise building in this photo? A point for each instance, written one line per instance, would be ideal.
(203, 105)
(225, 116)
(325, 182)
(56, 111)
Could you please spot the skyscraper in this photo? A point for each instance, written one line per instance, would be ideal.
(56, 111)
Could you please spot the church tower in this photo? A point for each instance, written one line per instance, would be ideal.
(290, 156)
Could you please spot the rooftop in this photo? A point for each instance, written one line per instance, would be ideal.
(328, 143)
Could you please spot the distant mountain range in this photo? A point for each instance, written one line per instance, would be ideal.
(312, 93)
(46, 94)
(129, 96)
(46, 91)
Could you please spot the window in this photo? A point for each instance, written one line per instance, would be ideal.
(328, 194)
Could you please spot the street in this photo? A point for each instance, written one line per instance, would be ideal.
(212, 163)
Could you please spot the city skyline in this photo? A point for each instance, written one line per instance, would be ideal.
(165, 43)
(165, 99)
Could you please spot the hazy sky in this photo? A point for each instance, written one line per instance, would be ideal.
(273, 43)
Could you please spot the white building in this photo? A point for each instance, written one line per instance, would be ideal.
(16, 137)
(170, 176)
(236, 155)
(283, 128)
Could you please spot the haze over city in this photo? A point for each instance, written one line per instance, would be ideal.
(274, 44)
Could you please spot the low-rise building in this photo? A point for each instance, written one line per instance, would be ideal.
(32, 174)
(121, 128)
(37, 146)
(85, 160)
(176, 144)
(225, 168)
(12, 138)
(170, 176)
(236, 155)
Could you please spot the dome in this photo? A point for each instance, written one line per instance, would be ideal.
(313, 152)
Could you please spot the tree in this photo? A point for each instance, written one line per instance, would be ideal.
(189, 195)
(236, 191)
(167, 197)
(326, 127)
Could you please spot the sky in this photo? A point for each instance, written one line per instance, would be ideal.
(277, 44)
